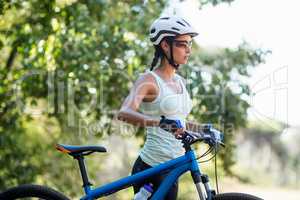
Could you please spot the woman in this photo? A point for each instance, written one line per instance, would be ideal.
(161, 92)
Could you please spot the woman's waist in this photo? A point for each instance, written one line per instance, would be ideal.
(163, 147)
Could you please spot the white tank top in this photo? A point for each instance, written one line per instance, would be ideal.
(160, 145)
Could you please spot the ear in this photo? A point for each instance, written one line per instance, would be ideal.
(165, 46)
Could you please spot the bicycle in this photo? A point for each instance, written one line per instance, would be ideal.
(176, 167)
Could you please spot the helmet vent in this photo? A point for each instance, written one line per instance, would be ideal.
(180, 23)
(165, 18)
(186, 22)
(152, 30)
(175, 29)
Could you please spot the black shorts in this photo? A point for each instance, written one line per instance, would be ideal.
(140, 165)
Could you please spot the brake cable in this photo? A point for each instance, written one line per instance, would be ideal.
(216, 170)
(213, 147)
(214, 156)
(207, 159)
(205, 153)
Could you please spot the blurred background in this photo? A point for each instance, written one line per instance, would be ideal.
(67, 65)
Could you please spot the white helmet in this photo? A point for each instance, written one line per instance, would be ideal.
(169, 26)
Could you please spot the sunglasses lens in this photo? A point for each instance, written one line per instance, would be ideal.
(183, 44)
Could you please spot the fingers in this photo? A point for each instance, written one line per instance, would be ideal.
(179, 133)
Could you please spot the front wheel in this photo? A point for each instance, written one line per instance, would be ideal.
(32, 192)
(235, 196)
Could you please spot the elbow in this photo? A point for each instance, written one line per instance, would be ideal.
(121, 115)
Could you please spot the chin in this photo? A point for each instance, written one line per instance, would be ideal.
(184, 62)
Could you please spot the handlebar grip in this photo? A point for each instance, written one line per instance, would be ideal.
(211, 137)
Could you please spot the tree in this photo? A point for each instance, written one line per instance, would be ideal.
(55, 55)
(219, 92)
(65, 68)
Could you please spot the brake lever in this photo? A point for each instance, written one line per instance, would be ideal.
(215, 135)
(189, 137)
(222, 144)
(209, 137)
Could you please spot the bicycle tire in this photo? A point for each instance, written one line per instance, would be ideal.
(31, 191)
(235, 196)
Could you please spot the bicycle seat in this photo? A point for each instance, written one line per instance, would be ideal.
(74, 150)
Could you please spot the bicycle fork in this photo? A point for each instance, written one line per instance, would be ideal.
(202, 179)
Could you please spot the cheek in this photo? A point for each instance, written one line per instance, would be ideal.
(180, 53)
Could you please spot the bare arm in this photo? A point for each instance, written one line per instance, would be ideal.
(144, 86)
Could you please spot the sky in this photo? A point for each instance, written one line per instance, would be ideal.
(267, 24)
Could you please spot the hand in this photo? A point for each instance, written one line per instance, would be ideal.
(170, 124)
(179, 133)
(214, 133)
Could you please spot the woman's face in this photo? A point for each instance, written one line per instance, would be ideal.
(181, 49)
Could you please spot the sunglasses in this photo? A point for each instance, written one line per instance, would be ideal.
(183, 44)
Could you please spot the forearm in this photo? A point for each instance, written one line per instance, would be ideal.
(135, 118)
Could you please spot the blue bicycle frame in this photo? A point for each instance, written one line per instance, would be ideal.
(177, 167)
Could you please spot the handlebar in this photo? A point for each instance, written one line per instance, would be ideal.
(208, 134)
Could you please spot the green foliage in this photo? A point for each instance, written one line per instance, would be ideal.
(65, 68)
(68, 61)
(216, 80)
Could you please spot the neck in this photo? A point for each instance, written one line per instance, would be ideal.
(166, 70)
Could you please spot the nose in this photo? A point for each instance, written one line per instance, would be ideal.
(188, 49)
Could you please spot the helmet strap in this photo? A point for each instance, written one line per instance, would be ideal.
(171, 59)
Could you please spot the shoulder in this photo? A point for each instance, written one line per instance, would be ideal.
(147, 81)
(146, 77)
